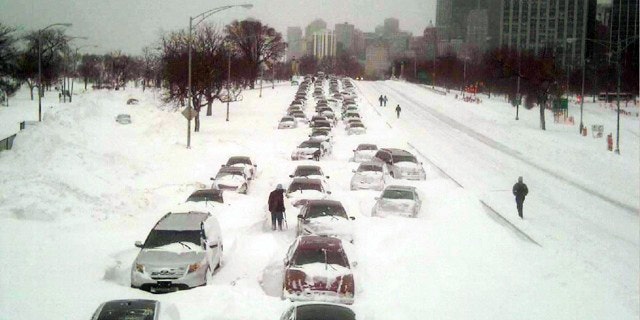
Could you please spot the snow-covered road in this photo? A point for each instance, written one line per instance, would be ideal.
(78, 190)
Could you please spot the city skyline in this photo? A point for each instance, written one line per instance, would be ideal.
(130, 26)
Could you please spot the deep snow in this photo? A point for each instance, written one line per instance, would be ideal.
(78, 189)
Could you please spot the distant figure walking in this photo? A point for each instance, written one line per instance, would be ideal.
(276, 206)
(398, 109)
(384, 100)
(381, 99)
(520, 190)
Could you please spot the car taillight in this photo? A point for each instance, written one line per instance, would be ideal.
(294, 280)
(347, 285)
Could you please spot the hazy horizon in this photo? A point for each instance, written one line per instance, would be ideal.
(131, 25)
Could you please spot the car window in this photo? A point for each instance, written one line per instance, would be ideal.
(201, 197)
(404, 158)
(297, 186)
(310, 144)
(233, 161)
(307, 171)
(367, 147)
(369, 167)
(159, 238)
(317, 211)
(398, 194)
(307, 256)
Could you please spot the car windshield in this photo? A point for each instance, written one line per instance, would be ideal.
(397, 194)
(318, 133)
(307, 256)
(202, 197)
(134, 310)
(310, 144)
(323, 312)
(159, 238)
(307, 171)
(285, 119)
(367, 147)
(404, 158)
(317, 210)
(233, 161)
(297, 186)
(369, 167)
(357, 125)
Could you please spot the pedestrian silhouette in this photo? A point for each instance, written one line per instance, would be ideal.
(520, 190)
(381, 99)
(384, 100)
(398, 109)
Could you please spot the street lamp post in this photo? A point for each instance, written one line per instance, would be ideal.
(40, 64)
(228, 82)
(582, 96)
(200, 17)
(518, 86)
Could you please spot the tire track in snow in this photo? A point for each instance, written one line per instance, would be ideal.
(513, 153)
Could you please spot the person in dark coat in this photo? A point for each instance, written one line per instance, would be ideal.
(520, 190)
(384, 100)
(381, 99)
(398, 109)
(276, 206)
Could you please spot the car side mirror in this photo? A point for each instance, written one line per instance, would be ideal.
(300, 216)
(248, 179)
(212, 179)
(328, 192)
(290, 176)
(353, 170)
(213, 245)
(352, 218)
(139, 244)
(255, 165)
(327, 177)
(222, 166)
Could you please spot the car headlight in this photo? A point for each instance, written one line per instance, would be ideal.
(194, 267)
(140, 267)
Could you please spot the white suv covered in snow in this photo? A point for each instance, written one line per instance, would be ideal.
(401, 164)
(178, 253)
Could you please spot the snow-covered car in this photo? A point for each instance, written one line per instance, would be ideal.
(400, 200)
(287, 122)
(317, 269)
(300, 116)
(318, 311)
(245, 163)
(321, 124)
(141, 309)
(180, 250)
(311, 150)
(364, 152)
(301, 190)
(369, 175)
(351, 115)
(233, 179)
(310, 172)
(206, 196)
(325, 218)
(321, 134)
(356, 128)
(123, 119)
(401, 164)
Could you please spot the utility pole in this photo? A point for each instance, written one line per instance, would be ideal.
(228, 81)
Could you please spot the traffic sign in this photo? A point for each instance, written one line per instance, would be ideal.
(189, 113)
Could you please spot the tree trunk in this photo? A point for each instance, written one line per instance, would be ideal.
(85, 83)
(209, 103)
(542, 122)
(31, 89)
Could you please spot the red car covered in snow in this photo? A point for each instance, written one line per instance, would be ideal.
(317, 269)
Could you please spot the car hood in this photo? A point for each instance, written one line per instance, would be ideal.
(306, 150)
(367, 176)
(329, 226)
(231, 180)
(399, 205)
(171, 255)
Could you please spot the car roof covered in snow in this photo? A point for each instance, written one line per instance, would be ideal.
(182, 220)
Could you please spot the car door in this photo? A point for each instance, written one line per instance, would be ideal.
(213, 241)
(301, 216)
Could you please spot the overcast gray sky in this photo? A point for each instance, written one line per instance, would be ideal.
(129, 25)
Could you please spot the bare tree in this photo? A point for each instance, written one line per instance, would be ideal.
(53, 43)
(8, 62)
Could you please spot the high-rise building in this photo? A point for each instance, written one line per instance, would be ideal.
(603, 13)
(345, 37)
(459, 19)
(313, 27)
(555, 26)
(391, 26)
(624, 22)
(323, 44)
(377, 60)
(294, 43)
(451, 16)
(477, 29)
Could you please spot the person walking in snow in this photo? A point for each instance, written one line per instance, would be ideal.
(398, 109)
(276, 206)
(381, 99)
(384, 100)
(520, 190)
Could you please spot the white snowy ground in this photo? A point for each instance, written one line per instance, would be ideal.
(77, 190)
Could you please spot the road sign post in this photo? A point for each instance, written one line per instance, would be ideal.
(189, 113)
